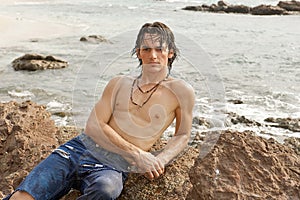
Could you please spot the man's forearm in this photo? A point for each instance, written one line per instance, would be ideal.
(106, 137)
(112, 141)
(174, 146)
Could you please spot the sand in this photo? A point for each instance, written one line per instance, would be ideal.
(14, 30)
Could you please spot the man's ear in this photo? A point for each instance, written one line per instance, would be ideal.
(171, 53)
(137, 51)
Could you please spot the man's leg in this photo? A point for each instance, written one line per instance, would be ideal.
(103, 184)
(50, 179)
(53, 177)
(20, 195)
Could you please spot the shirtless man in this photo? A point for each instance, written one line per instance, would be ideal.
(129, 118)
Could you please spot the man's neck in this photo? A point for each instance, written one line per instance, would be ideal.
(148, 77)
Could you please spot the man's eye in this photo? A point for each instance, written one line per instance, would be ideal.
(145, 49)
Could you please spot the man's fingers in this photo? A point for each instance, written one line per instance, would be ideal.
(149, 175)
(156, 174)
(161, 165)
(159, 168)
(160, 171)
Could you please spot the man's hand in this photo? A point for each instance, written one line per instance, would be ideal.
(154, 174)
(152, 165)
(148, 164)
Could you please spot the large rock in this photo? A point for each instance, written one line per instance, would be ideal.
(174, 184)
(32, 62)
(28, 135)
(244, 166)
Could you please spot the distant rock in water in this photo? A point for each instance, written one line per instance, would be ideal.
(94, 39)
(282, 8)
(289, 5)
(33, 62)
(268, 10)
(286, 123)
(235, 101)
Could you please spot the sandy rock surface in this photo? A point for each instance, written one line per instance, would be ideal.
(244, 166)
(28, 135)
(174, 184)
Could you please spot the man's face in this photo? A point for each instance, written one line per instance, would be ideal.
(153, 54)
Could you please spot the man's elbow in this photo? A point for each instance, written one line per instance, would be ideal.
(185, 138)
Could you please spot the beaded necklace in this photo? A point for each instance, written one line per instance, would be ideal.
(152, 90)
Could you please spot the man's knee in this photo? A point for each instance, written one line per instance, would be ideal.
(110, 190)
(21, 195)
(107, 189)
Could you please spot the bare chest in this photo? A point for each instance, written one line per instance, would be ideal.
(150, 119)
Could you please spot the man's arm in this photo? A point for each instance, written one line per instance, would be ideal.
(97, 125)
(184, 117)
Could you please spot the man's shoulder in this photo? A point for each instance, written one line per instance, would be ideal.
(121, 79)
(184, 92)
(180, 85)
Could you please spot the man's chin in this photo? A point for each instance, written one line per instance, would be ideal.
(153, 65)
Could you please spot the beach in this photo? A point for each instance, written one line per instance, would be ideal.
(15, 30)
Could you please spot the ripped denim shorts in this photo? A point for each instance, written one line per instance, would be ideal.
(72, 166)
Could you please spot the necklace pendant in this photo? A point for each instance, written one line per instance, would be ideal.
(151, 91)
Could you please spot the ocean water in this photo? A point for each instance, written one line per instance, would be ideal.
(225, 57)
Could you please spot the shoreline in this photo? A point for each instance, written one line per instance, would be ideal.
(14, 30)
(20, 1)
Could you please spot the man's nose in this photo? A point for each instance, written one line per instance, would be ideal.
(153, 53)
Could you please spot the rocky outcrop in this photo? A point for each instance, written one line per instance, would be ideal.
(244, 166)
(238, 166)
(293, 143)
(282, 8)
(28, 135)
(33, 62)
(174, 184)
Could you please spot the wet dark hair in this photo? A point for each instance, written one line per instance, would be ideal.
(165, 36)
